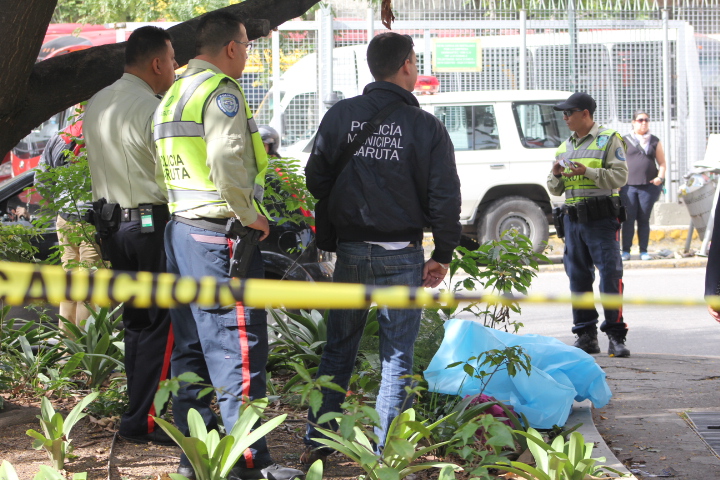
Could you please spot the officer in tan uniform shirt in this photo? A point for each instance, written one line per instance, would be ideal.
(214, 162)
(121, 155)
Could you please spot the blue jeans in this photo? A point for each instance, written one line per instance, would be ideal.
(360, 262)
(589, 245)
(226, 345)
(639, 201)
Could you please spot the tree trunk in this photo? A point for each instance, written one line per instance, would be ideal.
(30, 92)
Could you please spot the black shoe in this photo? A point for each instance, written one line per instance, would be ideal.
(587, 341)
(617, 348)
(271, 472)
(157, 436)
(187, 471)
(312, 454)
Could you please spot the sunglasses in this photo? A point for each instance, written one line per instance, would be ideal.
(643, 120)
(568, 113)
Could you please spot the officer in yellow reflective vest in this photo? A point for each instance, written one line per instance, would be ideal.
(214, 166)
(589, 170)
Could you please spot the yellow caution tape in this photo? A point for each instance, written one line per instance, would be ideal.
(21, 283)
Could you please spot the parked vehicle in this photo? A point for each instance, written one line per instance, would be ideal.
(288, 253)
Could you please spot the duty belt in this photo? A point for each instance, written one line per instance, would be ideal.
(595, 208)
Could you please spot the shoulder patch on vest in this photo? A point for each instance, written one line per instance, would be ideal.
(602, 140)
(620, 154)
(228, 104)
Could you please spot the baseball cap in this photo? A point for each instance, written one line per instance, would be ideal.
(579, 100)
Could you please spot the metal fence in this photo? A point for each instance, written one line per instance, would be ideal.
(628, 55)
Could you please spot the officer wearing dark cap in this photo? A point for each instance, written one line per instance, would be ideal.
(589, 170)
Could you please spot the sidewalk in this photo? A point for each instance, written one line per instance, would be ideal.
(645, 424)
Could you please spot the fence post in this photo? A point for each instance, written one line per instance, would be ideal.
(326, 38)
(669, 171)
(523, 50)
(427, 49)
(276, 82)
(370, 24)
(572, 30)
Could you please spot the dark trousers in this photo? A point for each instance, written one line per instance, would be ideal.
(226, 345)
(589, 245)
(639, 201)
(148, 335)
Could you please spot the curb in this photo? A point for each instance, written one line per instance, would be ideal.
(556, 264)
(582, 413)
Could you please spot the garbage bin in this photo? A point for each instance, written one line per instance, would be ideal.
(698, 194)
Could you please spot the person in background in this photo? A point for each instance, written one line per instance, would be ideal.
(379, 204)
(646, 176)
(215, 165)
(62, 147)
(589, 169)
(124, 171)
(271, 140)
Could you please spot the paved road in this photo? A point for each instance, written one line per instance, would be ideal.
(671, 330)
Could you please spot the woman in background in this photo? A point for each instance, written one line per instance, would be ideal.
(646, 175)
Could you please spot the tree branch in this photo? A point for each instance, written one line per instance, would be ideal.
(30, 94)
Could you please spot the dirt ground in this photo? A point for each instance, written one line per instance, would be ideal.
(102, 458)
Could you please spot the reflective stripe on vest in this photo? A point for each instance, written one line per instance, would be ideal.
(179, 132)
(593, 155)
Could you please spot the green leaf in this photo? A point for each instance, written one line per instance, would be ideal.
(76, 413)
(447, 473)
(171, 430)
(315, 471)
(205, 391)
(190, 377)
(387, 473)
(196, 425)
(7, 472)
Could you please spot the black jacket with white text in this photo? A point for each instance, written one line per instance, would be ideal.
(401, 180)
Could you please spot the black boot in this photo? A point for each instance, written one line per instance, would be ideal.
(616, 347)
(587, 341)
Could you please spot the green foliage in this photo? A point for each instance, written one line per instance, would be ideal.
(513, 359)
(557, 461)
(171, 386)
(67, 189)
(502, 266)
(404, 446)
(430, 336)
(15, 243)
(311, 390)
(212, 457)
(56, 439)
(111, 401)
(22, 368)
(7, 472)
(315, 472)
(47, 473)
(97, 344)
(286, 193)
(110, 11)
(299, 337)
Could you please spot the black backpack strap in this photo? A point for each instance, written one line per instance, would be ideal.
(368, 129)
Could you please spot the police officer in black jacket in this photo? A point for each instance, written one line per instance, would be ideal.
(399, 181)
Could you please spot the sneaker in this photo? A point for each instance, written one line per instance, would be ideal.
(625, 256)
(311, 454)
(186, 471)
(645, 256)
(271, 472)
(587, 342)
(617, 348)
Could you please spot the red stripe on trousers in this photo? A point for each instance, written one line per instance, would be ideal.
(245, 352)
(164, 374)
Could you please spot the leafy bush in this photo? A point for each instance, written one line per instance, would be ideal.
(98, 345)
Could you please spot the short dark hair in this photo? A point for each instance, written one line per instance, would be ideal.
(145, 43)
(387, 52)
(215, 30)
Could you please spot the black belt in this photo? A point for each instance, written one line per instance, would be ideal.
(161, 213)
(410, 245)
(216, 225)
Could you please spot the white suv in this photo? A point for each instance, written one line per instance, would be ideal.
(504, 148)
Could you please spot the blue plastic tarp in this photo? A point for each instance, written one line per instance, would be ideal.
(559, 373)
